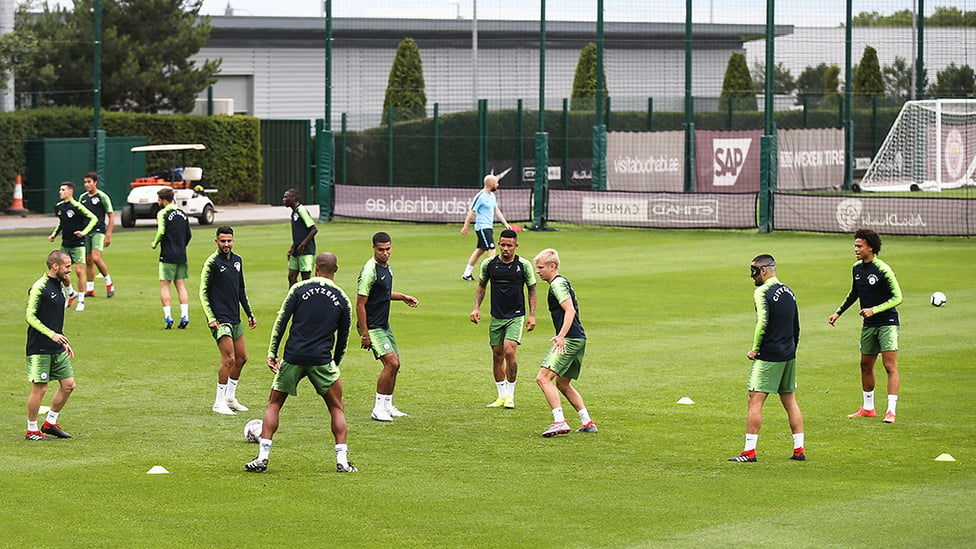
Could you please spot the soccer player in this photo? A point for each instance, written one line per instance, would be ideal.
(875, 285)
(773, 354)
(100, 237)
(483, 209)
(74, 222)
(320, 322)
(373, 295)
(509, 275)
(564, 360)
(48, 351)
(222, 294)
(172, 235)
(301, 254)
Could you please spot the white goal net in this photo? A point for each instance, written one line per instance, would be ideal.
(930, 147)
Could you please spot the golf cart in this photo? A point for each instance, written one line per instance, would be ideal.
(190, 192)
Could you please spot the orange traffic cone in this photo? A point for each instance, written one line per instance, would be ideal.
(17, 206)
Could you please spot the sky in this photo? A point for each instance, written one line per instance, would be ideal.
(790, 12)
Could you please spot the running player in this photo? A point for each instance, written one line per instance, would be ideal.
(222, 294)
(374, 293)
(483, 209)
(74, 222)
(509, 275)
(100, 237)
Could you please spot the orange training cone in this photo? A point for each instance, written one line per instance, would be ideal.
(17, 206)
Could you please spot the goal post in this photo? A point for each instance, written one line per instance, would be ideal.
(931, 146)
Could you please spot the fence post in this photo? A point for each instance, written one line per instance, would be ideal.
(521, 140)
(565, 179)
(731, 113)
(389, 146)
(650, 114)
(345, 156)
(482, 137)
(323, 170)
(767, 182)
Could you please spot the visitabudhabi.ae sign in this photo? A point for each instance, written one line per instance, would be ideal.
(423, 204)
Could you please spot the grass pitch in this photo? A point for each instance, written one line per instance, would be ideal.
(668, 315)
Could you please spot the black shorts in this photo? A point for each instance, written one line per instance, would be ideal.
(486, 239)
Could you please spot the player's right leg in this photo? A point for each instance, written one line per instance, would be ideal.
(868, 381)
(268, 429)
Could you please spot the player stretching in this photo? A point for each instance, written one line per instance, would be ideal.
(48, 352)
(508, 274)
(222, 295)
(773, 354)
(875, 285)
(74, 223)
(301, 254)
(562, 363)
(374, 293)
(320, 321)
(100, 238)
(484, 207)
(173, 234)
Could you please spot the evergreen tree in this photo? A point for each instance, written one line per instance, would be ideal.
(868, 81)
(953, 81)
(584, 81)
(405, 88)
(737, 85)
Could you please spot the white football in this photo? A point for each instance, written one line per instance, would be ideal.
(252, 430)
(937, 299)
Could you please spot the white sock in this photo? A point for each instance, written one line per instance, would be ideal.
(168, 312)
(90, 286)
(81, 297)
(387, 402)
(511, 389)
(380, 401)
(557, 415)
(185, 310)
(751, 440)
(221, 395)
(52, 416)
(71, 290)
(584, 416)
(502, 387)
(468, 269)
(797, 440)
(342, 451)
(264, 448)
(869, 400)
(108, 280)
(892, 403)
(32, 426)
(230, 393)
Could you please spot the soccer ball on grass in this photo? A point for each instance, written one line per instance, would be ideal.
(252, 430)
(937, 299)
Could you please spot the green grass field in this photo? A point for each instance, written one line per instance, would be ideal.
(668, 314)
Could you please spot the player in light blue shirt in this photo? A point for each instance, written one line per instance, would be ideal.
(484, 208)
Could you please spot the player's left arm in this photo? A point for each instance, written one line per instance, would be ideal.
(110, 212)
(501, 217)
(408, 299)
(312, 231)
(278, 328)
(92, 220)
(246, 305)
(342, 331)
(530, 321)
(205, 274)
(160, 227)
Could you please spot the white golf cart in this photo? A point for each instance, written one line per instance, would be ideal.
(190, 193)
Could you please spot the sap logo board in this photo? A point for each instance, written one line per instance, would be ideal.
(728, 158)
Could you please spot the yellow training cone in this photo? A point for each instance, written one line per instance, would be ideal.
(157, 470)
(945, 457)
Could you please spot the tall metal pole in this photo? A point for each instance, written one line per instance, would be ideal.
(324, 142)
(540, 193)
(474, 51)
(768, 158)
(599, 62)
(599, 145)
(98, 136)
(920, 62)
(848, 91)
(689, 124)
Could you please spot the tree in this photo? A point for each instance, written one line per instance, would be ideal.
(953, 81)
(868, 81)
(737, 87)
(405, 88)
(831, 81)
(146, 46)
(810, 85)
(584, 81)
(783, 82)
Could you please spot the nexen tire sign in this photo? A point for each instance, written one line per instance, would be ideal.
(727, 161)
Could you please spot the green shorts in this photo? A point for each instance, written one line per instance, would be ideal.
(772, 377)
(505, 328)
(322, 377)
(878, 339)
(173, 271)
(382, 342)
(77, 254)
(232, 329)
(94, 241)
(44, 368)
(301, 263)
(566, 364)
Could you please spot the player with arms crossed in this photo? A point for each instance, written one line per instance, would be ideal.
(508, 274)
(483, 209)
(320, 323)
(564, 360)
(75, 221)
(301, 254)
(875, 285)
(773, 356)
(172, 235)
(48, 351)
(100, 237)
(373, 295)
(222, 294)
